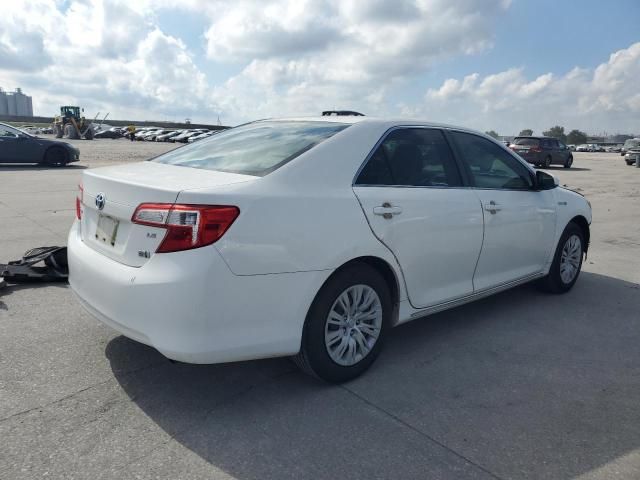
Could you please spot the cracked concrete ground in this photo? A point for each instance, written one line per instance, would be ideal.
(519, 385)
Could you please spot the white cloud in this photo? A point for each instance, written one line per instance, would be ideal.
(296, 57)
(305, 56)
(508, 101)
(101, 55)
(292, 56)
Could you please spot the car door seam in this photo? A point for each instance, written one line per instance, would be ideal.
(484, 226)
(364, 213)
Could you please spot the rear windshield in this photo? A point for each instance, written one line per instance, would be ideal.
(632, 143)
(253, 149)
(529, 142)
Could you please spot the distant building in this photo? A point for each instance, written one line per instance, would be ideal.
(15, 103)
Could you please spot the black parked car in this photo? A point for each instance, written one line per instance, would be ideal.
(115, 132)
(17, 146)
(542, 151)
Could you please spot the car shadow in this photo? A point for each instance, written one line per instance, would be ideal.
(523, 384)
(13, 167)
(16, 167)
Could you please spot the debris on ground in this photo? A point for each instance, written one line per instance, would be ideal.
(53, 267)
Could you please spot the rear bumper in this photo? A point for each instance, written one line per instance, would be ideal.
(191, 307)
(533, 158)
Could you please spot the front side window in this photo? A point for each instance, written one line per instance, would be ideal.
(491, 166)
(417, 157)
(253, 149)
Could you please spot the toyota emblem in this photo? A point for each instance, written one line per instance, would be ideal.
(100, 200)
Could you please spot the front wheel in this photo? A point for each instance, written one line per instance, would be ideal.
(56, 157)
(567, 261)
(346, 325)
(547, 162)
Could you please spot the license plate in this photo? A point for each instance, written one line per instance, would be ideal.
(522, 151)
(107, 229)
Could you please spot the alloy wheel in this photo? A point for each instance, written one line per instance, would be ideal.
(570, 259)
(353, 325)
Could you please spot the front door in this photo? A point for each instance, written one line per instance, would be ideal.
(519, 222)
(8, 141)
(412, 195)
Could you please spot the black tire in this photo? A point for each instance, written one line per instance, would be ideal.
(314, 358)
(547, 162)
(70, 132)
(89, 134)
(56, 157)
(568, 162)
(553, 282)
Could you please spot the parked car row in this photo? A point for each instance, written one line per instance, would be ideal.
(155, 134)
(589, 147)
(33, 130)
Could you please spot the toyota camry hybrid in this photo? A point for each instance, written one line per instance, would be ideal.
(312, 237)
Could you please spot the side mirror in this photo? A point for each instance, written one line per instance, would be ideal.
(544, 181)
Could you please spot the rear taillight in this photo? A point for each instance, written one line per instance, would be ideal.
(79, 200)
(188, 226)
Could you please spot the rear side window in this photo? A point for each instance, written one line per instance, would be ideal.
(417, 157)
(490, 165)
(527, 142)
(253, 149)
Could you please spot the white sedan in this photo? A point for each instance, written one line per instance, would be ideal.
(312, 237)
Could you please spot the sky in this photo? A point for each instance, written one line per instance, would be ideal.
(501, 65)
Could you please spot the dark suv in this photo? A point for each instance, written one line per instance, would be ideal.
(542, 151)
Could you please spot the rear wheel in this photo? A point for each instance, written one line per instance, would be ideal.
(88, 135)
(346, 325)
(56, 157)
(568, 162)
(567, 261)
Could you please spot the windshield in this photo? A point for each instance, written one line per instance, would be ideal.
(530, 142)
(253, 149)
(632, 143)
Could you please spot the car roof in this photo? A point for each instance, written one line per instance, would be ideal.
(534, 136)
(374, 121)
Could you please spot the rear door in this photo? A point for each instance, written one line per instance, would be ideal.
(557, 156)
(412, 194)
(519, 222)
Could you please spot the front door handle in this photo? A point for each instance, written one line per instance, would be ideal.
(492, 208)
(387, 211)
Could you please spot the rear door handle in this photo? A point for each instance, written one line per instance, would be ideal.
(387, 211)
(492, 207)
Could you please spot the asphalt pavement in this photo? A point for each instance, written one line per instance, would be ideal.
(520, 385)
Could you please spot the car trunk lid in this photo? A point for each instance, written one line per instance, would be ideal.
(110, 196)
